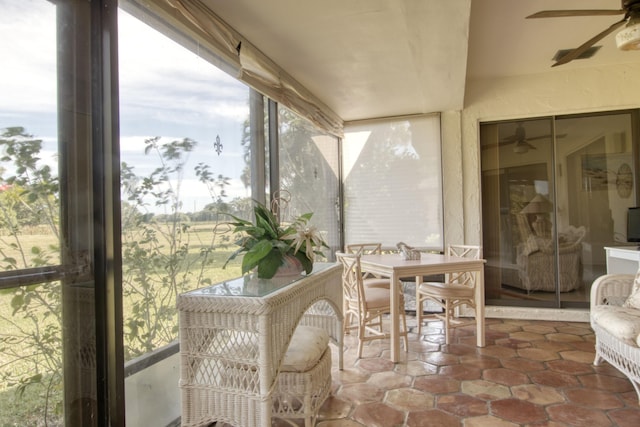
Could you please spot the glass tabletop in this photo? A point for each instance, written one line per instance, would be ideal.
(251, 286)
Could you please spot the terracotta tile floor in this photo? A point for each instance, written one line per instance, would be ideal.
(531, 373)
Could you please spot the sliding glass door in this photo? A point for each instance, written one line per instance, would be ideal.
(558, 189)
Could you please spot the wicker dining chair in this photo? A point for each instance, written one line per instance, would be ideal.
(457, 290)
(369, 279)
(364, 306)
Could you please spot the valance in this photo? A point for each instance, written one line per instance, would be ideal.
(250, 65)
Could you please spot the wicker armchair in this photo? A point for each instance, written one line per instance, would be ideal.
(536, 258)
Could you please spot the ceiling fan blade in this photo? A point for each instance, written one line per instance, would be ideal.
(558, 136)
(586, 45)
(583, 12)
(508, 140)
(539, 137)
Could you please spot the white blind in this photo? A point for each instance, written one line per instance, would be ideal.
(393, 182)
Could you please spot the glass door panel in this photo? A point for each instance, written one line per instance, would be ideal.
(561, 188)
(517, 169)
(595, 188)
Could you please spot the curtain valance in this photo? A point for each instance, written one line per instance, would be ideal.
(250, 65)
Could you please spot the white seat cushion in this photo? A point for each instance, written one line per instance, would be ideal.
(376, 298)
(633, 300)
(305, 349)
(621, 322)
(375, 282)
(446, 290)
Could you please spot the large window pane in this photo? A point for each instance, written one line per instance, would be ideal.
(184, 135)
(309, 172)
(393, 184)
(31, 357)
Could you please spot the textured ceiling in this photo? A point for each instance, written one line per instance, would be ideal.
(378, 58)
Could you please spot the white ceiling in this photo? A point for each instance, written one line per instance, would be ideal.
(378, 58)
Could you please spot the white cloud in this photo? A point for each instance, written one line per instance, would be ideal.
(28, 72)
(165, 90)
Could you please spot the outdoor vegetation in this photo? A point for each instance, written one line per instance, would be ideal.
(163, 256)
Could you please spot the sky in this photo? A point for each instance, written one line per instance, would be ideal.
(165, 91)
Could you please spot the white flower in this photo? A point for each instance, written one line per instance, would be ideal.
(307, 235)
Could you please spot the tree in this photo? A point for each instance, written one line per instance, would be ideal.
(31, 338)
(158, 254)
(160, 260)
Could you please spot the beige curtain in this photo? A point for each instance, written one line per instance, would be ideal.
(250, 64)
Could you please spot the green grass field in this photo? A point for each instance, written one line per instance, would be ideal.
(28, 409)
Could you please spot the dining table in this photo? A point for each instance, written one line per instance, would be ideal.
(396, 267)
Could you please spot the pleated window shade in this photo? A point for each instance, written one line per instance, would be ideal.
(393, 182)
(200, 29)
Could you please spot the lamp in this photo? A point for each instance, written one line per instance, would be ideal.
(629, 37)
(539, 206)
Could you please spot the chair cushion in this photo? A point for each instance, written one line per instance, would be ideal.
(375, 282)
(377, 297)
(305, 349)
(633, 300)
(446, 290)
(623, 323)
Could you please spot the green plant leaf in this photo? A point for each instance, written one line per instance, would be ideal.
(256, 254)
(306, 262)
(270, 264)
(17, 302)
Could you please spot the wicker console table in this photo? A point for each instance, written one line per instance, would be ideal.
(233, 337)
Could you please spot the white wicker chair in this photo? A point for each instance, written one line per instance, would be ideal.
(457, 290)
(616, 327)
(304, 381)
(365, 305)
(369, 279)
(537, 255)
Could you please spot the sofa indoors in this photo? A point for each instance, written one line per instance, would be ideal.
(615, 319)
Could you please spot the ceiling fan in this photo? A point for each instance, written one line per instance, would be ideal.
(521, 141)
(626, 39)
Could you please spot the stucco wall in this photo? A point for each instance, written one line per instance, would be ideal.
(560, 91)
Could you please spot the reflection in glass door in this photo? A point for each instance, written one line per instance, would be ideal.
(597, 186)
(560, 188)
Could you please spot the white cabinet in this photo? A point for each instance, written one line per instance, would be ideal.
(623, 259)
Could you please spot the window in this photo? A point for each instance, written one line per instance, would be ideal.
(194, 150)
(31, 358)
(393, 183)
(309, 172)
(109, 227)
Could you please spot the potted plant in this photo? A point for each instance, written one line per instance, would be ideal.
(269, 245)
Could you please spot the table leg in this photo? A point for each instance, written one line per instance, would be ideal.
(480, 308)
(395, 318)
(341, 345)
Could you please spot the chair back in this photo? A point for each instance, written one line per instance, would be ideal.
(364, 248)
(464, 251)
(352, 285)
